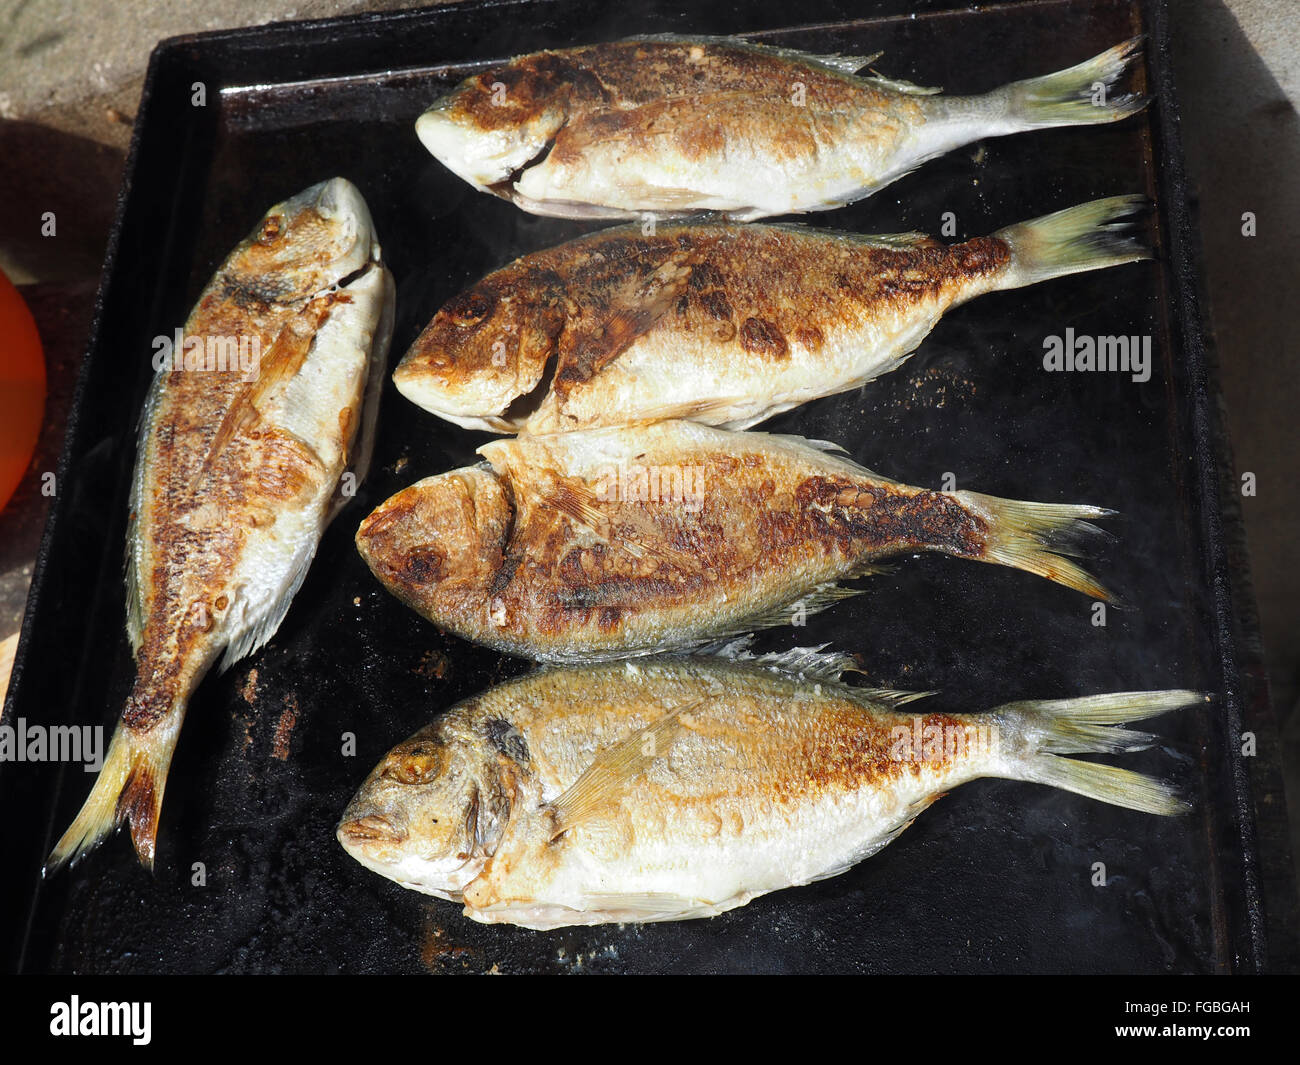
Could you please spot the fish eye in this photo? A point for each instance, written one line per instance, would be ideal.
(470, 308)
(417, 764)
(272, 227)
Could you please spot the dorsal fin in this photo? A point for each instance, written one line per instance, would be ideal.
(813, 663)
(894, 241)
(891, 697)
(887, 241)
(835, 61)
(908, 87)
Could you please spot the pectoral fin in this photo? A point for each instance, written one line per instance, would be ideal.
(280, 363)
(600, 789)
(635, 306)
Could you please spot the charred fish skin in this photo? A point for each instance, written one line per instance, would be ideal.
(675, 125)
(238, 471)
(722, 324)
(675, 788)
(615, 542)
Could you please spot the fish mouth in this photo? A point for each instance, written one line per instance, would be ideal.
(506, 411)
(369, 829)
(368, 841)
(490, 160)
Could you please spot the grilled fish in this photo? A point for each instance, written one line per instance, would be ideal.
(672, 125)
(723, 324)
(237, 474)
(673, 788)
(613, 542)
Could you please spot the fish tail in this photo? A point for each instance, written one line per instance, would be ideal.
(1052, 728)
(1038, 537)
(1080, 95)
(1086, 237)
(129, 788)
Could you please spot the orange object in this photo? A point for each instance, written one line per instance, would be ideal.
(22, 388)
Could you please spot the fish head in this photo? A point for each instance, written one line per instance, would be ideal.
(483, 353)
(429, 814)
(304, 245)
(438, 545)
(497, 123)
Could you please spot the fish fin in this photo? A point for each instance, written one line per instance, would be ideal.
(891, 697)
(1036, 537)
(256, 629)
(1087, 725)
(129, 788)
(362, 448)
(836, 61)
(888, 241)
(650, 906)
(898, 85)
(573, 499)
(1066, 97)
(731, 648)
(1086, 237)
(578, 503)
(588, 347)
(812, 663)
(1110, 784)
(819, 599)
(829, 448)
(603, 783)
(1051, 728)
(282, 360)
(893, 241)
(913, 811)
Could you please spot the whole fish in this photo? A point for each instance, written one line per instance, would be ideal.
(723, 324)
(673, 788)
(238, 470)
(611, 542)
(672, 125)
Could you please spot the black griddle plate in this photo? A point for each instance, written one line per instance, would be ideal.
(998, 876)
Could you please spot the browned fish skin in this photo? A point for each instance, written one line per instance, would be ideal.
(754, 291)
(535, 557)
(237, 467)
(201, 512)
(681, 787)
(676, 125)
(625, 90)
(721, 324)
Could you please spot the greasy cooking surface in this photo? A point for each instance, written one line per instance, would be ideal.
(999, 875)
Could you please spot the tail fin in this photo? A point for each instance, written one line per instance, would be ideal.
(129, 788)
(1057, 727)
(1073, 97)
(1036, 537)
(1086, 237)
